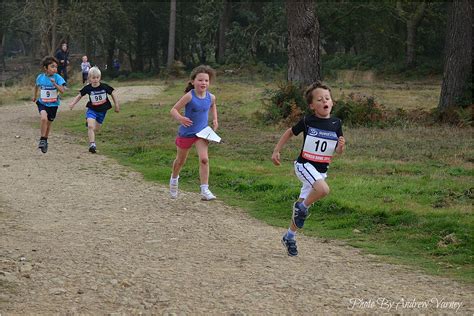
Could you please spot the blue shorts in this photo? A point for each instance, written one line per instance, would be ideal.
(98, 116)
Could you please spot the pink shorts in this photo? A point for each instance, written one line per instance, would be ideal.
(185, 142)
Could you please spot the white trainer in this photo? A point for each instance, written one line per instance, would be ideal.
(174, 190)
(206, 195)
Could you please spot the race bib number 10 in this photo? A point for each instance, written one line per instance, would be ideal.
(98, 99)
(319, 145)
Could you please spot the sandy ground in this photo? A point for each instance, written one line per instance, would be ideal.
(81, 234)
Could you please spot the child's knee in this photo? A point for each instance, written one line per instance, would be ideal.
(326, 190)
(321, 187)
(204, 160)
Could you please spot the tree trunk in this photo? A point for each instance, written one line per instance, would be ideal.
(48, 26)
(54, 18)
(109, 61)
(411, 40)
(412, 26)
(458, 54)
(223, 26)
(2, 45)
(172, 34)
(304, 60)
(139, 49)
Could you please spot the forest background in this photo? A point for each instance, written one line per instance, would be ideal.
(389, 36)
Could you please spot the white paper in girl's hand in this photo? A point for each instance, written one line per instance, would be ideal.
(209, 134)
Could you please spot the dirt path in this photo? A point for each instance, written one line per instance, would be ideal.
(82, 234)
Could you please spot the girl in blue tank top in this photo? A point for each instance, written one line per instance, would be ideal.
(197, 102)
(197, 110)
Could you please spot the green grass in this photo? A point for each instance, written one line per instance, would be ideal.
(405, 95)
(396, 192)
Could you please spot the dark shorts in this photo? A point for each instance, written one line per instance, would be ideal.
(185, 142)
(84, 77)
(50, 110)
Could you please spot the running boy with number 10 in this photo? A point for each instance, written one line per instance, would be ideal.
(322, 137)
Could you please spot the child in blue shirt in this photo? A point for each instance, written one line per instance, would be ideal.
(49, 85)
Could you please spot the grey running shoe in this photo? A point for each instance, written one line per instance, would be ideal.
(290, 245)
(299, 214)
(43, 145)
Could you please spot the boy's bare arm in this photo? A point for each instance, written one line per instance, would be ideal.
(116, 103)
(35, 94)
(60, 88)
(341, 145)
(75, 100)
(283, 139)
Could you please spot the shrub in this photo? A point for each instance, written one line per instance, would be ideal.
(285, 103)
(177, 69)
(360, 110)
(459, 116)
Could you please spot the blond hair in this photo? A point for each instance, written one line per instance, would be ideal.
(94, 71)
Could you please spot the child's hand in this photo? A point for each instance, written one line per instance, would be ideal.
(185, 121)
(52, 80)
(33, 99)
(276, 158)
(215, 125)
(341, 141)
(71, 106)
(117, 109)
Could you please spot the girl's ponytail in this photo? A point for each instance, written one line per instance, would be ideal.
(189, 87)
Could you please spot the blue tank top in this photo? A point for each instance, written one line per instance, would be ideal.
(198, 111)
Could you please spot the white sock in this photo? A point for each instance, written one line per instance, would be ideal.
(290, 234)
(204, 187)
(174, 180)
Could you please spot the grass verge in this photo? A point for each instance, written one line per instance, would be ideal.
(403, 193)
